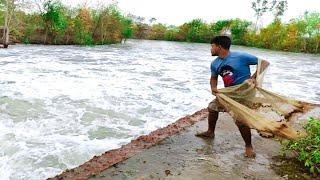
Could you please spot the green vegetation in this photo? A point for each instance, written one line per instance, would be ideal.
(56, 24)
(55, 21)
(299, 35)
(307, 148)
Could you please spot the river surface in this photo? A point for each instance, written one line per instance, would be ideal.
(61, 105)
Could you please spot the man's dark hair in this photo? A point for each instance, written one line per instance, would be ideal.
(223, 41)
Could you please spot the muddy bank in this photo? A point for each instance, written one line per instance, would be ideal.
(175, 153)
(185, 156)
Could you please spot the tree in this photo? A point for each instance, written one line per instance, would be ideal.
(151, 20)
(260, 7)
(8, 6)
(40, 5)
(126, 28)
(55, 20)
(110, 26)
(83, 27)
(140, 28)
(278, 7)
(312, 27)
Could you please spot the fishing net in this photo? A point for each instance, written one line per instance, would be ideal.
(265, 111)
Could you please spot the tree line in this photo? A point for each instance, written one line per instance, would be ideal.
(301, 34)
(54, 23)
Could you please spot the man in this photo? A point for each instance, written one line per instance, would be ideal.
(234, 68)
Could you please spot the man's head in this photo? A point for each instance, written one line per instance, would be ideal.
(220, 44)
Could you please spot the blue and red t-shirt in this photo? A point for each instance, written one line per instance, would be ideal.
(234, 69)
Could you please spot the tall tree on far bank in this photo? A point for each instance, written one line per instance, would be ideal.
(55, 19)
(151, 20)
(140, 28)
(278, 7)
(8, 6)
(127, 30)
(84, 27)
(312, 29)
(260, 7)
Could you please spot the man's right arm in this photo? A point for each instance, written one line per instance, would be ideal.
(213, 84)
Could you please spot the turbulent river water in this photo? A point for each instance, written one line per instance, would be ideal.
(61, 105)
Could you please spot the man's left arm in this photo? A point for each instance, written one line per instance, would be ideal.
(264, 65)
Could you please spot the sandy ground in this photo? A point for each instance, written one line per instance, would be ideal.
(184, 156)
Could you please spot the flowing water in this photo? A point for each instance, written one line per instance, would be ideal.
(61, 105)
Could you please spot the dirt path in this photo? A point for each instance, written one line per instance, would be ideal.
(184, 156)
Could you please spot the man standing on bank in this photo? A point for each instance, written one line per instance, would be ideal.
(234, 68)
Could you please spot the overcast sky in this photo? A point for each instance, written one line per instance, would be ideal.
(177, 12)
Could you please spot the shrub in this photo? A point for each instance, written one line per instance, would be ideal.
(307, 148)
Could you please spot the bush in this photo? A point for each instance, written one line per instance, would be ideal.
(171, 34)
(307, 148)
(157, 32)
(196, 31)
(238, 29)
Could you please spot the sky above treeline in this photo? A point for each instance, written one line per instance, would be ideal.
(177, 12)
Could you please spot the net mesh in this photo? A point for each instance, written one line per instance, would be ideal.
(265, 111)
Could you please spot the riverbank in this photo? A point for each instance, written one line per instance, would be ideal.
(181, 155)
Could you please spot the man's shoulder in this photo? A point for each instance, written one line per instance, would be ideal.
(217, 60)
(240, 54)
(215, 63)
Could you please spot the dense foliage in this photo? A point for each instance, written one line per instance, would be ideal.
(299, 35)
(56, 24)
(308, 148)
